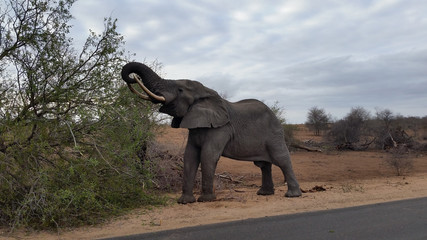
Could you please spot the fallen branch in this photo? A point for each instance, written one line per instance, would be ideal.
(305, 148)
(227, 176)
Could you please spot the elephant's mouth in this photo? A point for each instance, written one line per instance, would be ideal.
(150, 96)
(171, 109)
(166, 109)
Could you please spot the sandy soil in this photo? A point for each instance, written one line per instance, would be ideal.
(348, 179)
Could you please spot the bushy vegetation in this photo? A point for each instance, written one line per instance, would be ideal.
(399, 160)
(72, 137)
(397, 135)
(359, 130)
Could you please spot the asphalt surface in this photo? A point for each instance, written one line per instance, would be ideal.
(403, 220)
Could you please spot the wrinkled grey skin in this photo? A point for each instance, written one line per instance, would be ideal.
(246, 130)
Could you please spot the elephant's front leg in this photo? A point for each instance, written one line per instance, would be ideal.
(209, 161)
(191, 164)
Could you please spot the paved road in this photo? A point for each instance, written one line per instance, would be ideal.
(403, 220)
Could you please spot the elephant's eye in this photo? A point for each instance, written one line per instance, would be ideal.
(180, 90)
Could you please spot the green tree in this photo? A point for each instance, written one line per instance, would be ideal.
(317, 120)
(69, 135)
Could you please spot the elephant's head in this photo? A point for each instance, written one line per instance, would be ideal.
(190, 103)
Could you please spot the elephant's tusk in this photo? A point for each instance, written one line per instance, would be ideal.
(146, 90)
(145, 97)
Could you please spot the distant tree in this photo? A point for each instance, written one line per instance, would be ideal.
(383, 127)
(356, 124)
(386, 116)
(317, 120)
(353, 131)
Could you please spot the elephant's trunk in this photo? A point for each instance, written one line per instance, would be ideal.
(146, 78)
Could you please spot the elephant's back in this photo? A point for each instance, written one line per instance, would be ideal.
(253, 111)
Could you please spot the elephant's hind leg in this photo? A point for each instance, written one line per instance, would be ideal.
(282, 159)
(267, 187)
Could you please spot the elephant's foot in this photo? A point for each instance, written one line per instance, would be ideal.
(184, 199)
(207, 197)
(265, 191)
(293, 193)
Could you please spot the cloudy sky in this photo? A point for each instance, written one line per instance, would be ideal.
(302, 53)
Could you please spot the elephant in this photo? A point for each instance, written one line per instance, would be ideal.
(246, 130)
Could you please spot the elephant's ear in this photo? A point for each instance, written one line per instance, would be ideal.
(208, 112)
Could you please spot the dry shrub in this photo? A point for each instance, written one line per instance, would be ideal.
(167, 167)
(400, 160)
